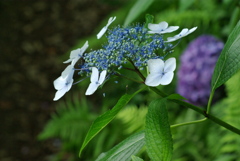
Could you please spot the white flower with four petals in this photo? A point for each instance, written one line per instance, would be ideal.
(75, 55)
(161, 28)
(96, 81)
(63, 83)
(160, 72)
(183, 33)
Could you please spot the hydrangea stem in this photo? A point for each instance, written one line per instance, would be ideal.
(209, 102)
(137, 71)
(201, 111)
(188, 123)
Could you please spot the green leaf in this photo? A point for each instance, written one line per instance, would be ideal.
(158, 136)
(229, 61)
(135, 158)
(125, 149)
(139, 7)
(149, 19)
(106, 118)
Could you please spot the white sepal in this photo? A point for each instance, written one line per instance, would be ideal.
(62, 91)
(64, 83)
(161, 28)
(96, 81)
(104, 29)
(183, 33)
(75, 55)
(160, 72)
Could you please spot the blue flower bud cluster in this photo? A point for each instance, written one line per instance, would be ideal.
(126, 44)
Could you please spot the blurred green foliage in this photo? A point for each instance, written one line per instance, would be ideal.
(70, 124)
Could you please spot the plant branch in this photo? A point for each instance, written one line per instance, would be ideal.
(209, 102)
(137, 71)
(201, 111)
(188, 123)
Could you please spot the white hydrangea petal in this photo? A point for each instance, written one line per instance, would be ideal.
(69, 85)
(102, 32)
(161, 28)
(102, 77)
(153, 27)
(91, 88)
(67, 61)
(63, 86)
(171, 39)
(153, 80)
(183, 32)
(170, 65)
(85, 46)
(192, 30)
(74, 61)
(59, 83)
(111, 19)
(79, 54)
(155, 65)
(69, 70)
(95, 74)
(167, 78)
(162, 25)
(60, 93)
(152, 32)
(75, 55)
(170, 29)
(104, 29)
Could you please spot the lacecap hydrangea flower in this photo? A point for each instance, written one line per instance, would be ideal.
(196, 69)
(160, 72)
(136, 45)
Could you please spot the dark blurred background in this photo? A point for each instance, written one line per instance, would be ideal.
(33, 35)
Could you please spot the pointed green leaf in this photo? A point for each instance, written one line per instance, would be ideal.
(124, 150)
(106, 118)
(229, 61)
(135, 158)
(139, 7)
(158, 136)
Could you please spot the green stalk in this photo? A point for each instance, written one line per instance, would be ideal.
(209, 102)
(188, 123)
(201, 111)
(137, 71)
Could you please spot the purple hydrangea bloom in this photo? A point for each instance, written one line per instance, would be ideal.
(196, 69)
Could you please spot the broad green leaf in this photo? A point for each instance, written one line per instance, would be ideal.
(139, 7)
(106, 118)
(229, 61)
(124, 150)
(135, 158)
(158, 136)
